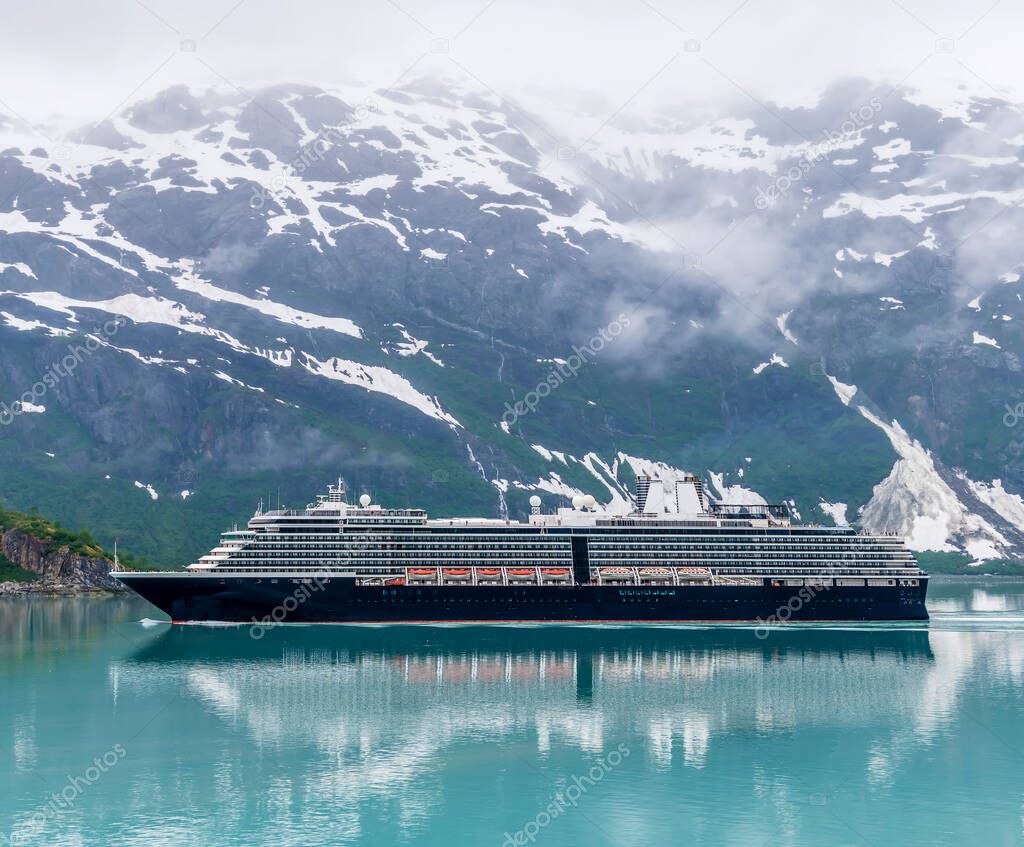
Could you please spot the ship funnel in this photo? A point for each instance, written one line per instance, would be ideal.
(657, 496)
(690, 496)
(643, 488)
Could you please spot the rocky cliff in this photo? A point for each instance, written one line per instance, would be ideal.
(59, 570)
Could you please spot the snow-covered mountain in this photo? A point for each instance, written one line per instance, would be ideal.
(210, 297)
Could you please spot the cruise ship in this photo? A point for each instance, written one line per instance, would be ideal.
(678, 556)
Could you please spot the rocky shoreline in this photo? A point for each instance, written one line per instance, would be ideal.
(58, 571)
(53, 589)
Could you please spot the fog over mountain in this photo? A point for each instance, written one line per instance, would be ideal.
(459, 287)
(578, 64)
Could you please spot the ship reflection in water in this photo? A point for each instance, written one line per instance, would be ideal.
(562, 663)
(414, 690)
(880, 734)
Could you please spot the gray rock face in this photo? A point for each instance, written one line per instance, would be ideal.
(59, 570)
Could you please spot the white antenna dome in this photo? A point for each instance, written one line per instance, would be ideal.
(535, 501)
(589, 501)
(577, 501)
(364, 500)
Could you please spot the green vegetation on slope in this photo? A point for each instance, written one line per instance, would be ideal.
(52, 533)
(56, 537)
(10, 572)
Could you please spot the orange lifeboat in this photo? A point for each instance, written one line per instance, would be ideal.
(694, 574)
(616, 574)
(455, 571)
(555, 571)
(488, 572)
(520, 572)
(396, 581)
(422, 572)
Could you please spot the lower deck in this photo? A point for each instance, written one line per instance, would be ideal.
(270, 599)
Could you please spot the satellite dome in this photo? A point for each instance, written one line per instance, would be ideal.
(535, 501)
(577, 501)
(364, 500)
(589, 501)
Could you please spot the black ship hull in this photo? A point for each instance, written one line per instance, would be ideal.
(267, 601)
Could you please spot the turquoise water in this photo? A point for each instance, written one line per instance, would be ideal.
(120, 732)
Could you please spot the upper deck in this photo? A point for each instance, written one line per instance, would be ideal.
(332, 510)
(332, 534)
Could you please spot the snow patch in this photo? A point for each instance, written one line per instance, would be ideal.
(380, 380)
(188, 280)
(843, 391)
(20, 267)
(149, 489)
(1008, 506)
(892, 149)
(836, 511)
(885, 259)
(543, 451)
(23, 325)
(734, 494)
(621, 503)
(916, 502)
(371, 183)
(981, 549)
(780, 322)
(411, 346)
(913, 207)
(776, 359)
(230, 379)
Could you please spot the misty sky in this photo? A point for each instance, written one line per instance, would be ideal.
(85, 60)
